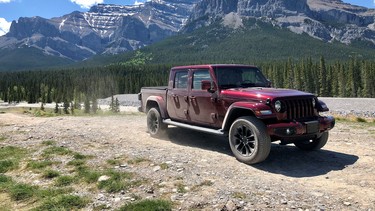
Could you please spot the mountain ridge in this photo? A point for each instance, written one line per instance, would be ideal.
(113, 29)
(104, 29)
(327, 20)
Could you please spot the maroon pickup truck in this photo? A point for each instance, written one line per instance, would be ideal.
(236, 101)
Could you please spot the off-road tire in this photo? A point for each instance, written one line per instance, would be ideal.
(313, 144)
(155, 125)
(249, 140)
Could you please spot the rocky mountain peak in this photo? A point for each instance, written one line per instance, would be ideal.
(111, 29)
(104, 29)
(327, 20)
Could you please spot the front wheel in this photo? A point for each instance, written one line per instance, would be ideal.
(249, 140)
(155, 124)
(313, 144)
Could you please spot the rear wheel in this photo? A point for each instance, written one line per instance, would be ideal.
(313, 144)
(155, 124)
(249, 140)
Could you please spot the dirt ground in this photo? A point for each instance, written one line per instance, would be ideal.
(341, 176)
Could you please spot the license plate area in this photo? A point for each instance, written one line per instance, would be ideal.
(312, 127)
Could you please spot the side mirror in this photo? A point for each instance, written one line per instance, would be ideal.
(206, 85)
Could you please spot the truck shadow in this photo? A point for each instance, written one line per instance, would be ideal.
(200, 140)
(293, 162)
(285, 160)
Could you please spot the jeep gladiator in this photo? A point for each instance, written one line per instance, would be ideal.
(236, 101)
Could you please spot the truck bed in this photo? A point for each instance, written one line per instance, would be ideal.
(157, 91)
(156, 88)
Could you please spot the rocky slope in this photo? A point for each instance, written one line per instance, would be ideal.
(110, 29)
(103, 29)
(328, 20)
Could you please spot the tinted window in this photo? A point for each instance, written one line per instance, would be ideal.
(237, 77)
(199, 76)
(181, 80)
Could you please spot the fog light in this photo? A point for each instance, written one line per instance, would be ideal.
(290, 131)
(266, 112)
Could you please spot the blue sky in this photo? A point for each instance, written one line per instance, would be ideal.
(13, 9)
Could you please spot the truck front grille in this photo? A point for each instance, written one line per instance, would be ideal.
(299, 108)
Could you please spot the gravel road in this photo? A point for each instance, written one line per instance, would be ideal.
(338, 177)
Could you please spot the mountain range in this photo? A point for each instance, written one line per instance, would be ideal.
(113, 29)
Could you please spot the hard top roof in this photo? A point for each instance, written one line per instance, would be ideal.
(211, 65)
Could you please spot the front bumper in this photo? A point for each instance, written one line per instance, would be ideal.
(297, 129)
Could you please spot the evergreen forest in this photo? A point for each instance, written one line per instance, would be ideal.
(353, 78)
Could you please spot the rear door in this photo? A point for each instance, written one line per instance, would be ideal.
(202, 104)
(178, 96)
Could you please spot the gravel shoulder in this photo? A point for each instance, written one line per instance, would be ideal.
(338, 177)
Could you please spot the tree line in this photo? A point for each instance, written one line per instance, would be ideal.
(353, 78)
(79, 85)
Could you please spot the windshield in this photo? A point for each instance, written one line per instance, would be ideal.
(240, 77)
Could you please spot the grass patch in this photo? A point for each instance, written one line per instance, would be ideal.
(164, 166)
(7, 165)
(239, 195)
(5, 182)
(49, 174)
(39, 164)
(3, 138)
(53, 192)
(64, 181)
(55, 150)
(76, 163)
(181, 188)
(79, 160)
(87, 175)
(138, 160)
(79, 156)
(49, 143)
(19, 192)
(118, 181)
(10, 157)
(148, 205)
(41, 113)
(113, 162)
(63, 202)
(359, 119)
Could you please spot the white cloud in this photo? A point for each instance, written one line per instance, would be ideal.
(5, 1)
(4, 26)
(143, 1)
(86, 4)
(139, 2)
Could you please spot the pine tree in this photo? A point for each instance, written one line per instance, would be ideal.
(66, 107)
(56, 108)
(117, 106)
(322, 78)
(87, 105)
(94, 105)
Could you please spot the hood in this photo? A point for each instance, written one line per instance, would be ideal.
(263, 93)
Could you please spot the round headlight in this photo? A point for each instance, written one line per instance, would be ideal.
(313, 102)
(278, 106)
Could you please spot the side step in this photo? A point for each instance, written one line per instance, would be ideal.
(201, 129)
